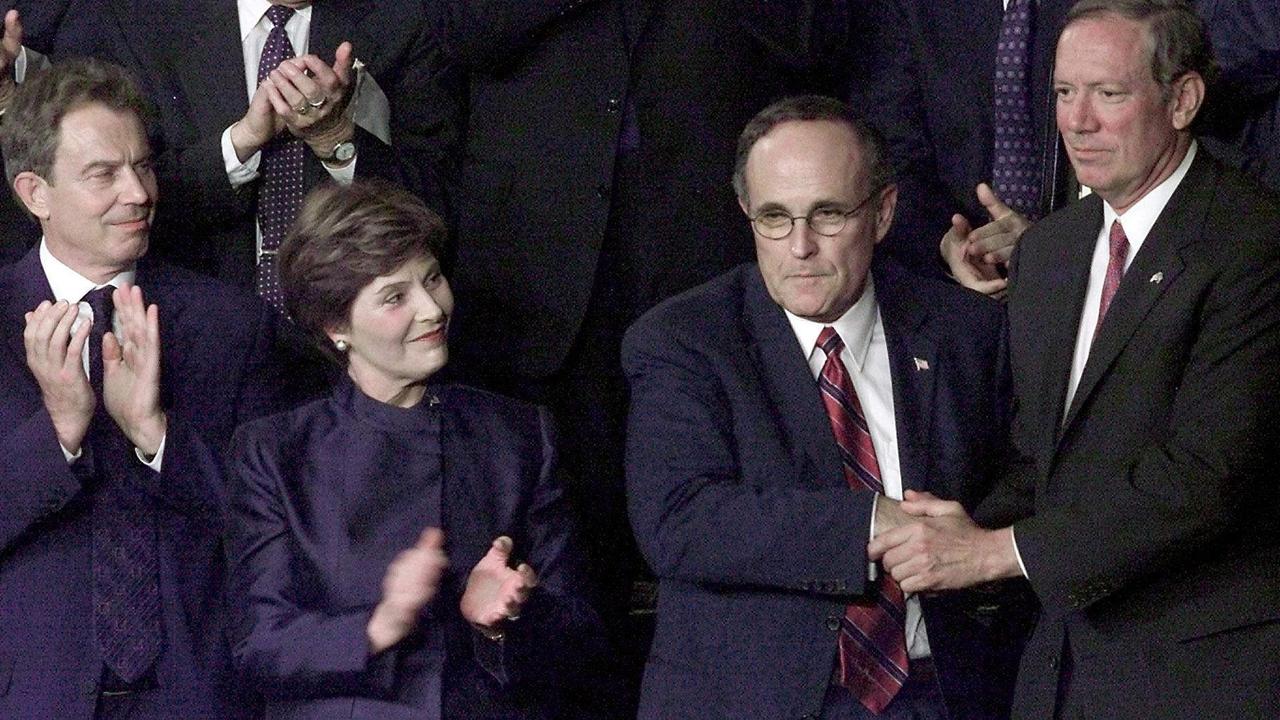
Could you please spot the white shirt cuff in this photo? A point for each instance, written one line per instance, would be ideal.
(239, 173)
(345, 174)
(155, 462)
(1017, 555)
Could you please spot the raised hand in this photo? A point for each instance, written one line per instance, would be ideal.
(495, 592)
(311, 97)
(10, 46)
(131, 371)
(411, 581)
(258, 126)
(968, 269)
(54, 357)
(995, 241)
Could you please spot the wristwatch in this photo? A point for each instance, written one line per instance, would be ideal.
(342, 153)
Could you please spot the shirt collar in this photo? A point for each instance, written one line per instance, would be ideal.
(1142, 215)
(252, 11)
(69, 285)
(855, 326)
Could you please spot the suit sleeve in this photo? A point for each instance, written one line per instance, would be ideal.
(1194, 484)
(36, 481)
(558, 639)
(696, 517)
(285, 640)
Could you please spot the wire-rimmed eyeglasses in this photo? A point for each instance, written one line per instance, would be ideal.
(825, 220)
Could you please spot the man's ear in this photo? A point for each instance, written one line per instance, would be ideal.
(33, 190)
(743, 204)
(884, 212)
(1187, 99)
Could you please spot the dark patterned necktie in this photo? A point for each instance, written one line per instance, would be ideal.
(872, 640)
(1117, 252)
(1015, 160)
(126, 591)
(280, 195)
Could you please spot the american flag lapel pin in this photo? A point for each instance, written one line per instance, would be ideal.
(1157, 278)
(921, 364)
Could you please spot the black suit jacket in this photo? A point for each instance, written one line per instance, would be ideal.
(1152, 540)
(924, 77)
(215, 374)
(739, 503)
(551, 216)
(189, 60)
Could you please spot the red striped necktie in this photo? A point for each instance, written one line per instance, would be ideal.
(872, 640)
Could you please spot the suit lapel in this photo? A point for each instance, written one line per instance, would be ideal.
(789, 384)
(913, 363)
(1153, 271)
(1056, 325)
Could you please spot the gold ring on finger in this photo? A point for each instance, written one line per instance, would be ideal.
(302, 109)
(318, 103)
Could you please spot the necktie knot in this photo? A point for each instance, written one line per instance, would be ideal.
(1119, 242)
(99, 300)
(279, 15)
(829, 341)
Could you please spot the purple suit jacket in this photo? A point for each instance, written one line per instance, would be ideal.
(216, 373)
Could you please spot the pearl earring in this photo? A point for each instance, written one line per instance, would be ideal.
(341, 345)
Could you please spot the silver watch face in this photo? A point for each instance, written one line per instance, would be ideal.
(344, 151)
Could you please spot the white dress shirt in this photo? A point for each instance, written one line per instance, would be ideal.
(254, 28)
(69, 285)
(1137, 222)
(866, 359)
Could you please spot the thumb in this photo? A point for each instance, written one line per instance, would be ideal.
(431, 539)
(502, 546)
(12, 33)
(343, 59)
(994, 205)
(111, 352)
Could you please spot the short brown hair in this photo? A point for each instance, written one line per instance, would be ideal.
(344, 238)
(1176, 35)
(812, 108)
(30, 131)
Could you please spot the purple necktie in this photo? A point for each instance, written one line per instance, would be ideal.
(280, 196)
(1015, 160)
(872, 644)
(1117, 253)
(126, 591)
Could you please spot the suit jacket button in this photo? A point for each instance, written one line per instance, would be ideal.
(833, 623)
(613, 106)
(1053, 663)
(602, 192)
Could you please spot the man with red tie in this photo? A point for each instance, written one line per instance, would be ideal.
(776, 412)
(1144, 324)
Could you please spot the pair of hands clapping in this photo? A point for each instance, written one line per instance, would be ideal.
(495, 592)
(131, 370)
(305, 96)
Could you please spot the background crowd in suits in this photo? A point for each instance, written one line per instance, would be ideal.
(581, 151)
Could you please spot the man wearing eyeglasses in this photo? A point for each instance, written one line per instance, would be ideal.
(776, 411)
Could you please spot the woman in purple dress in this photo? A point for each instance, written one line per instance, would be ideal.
(399, 549)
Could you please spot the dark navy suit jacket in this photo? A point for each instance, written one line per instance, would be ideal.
(739, 503)
(215, 374)
(325, 498)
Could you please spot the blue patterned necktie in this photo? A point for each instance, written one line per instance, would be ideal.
(126, 591)
(1015, 162)
(280, 196)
